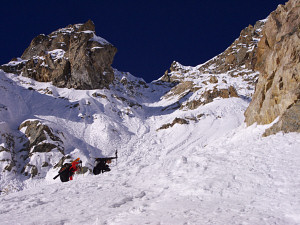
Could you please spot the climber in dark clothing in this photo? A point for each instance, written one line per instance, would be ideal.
(101, 166)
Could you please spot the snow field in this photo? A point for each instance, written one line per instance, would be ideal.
(211, 171)
(228, 182)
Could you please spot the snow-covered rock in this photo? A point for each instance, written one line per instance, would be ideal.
(73, 57)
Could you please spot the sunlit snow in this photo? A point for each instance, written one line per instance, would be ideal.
(214, 170)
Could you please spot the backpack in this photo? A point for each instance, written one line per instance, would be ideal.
(65, 172)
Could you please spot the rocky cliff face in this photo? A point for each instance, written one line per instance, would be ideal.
(277, 92)
(72, 57)
(30, 152)
(39, 148)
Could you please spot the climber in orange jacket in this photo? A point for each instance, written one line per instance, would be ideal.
(74, 167)
(68, 169)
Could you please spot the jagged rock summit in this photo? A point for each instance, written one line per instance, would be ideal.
(72, 57)
(229, 74)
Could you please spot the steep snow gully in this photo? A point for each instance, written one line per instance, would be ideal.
(214, 170)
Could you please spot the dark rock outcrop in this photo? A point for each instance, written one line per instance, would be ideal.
(278, 60)
(14, 66)
(37, 133)
(41, 140)
(72, 57)
(176, 120)
(7, 153)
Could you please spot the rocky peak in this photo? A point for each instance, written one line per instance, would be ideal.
(176, 72)
(219, 76)
(278, 89)
(240, 57)
(89, 25)
(237, 60)
(73, 57)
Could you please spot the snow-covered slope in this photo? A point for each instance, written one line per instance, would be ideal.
(213, 170)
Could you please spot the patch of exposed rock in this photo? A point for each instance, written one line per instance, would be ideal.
(175, 121)
(42, 143)
(278, 60)
(209, 96)
(181, 90)
(72, 57)
(193, 89)
(128, 102)
(7, 153)
(96, 94)
(289, 121)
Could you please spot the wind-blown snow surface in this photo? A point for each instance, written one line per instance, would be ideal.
(212, 171)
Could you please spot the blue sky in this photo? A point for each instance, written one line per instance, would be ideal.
(149, 35)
